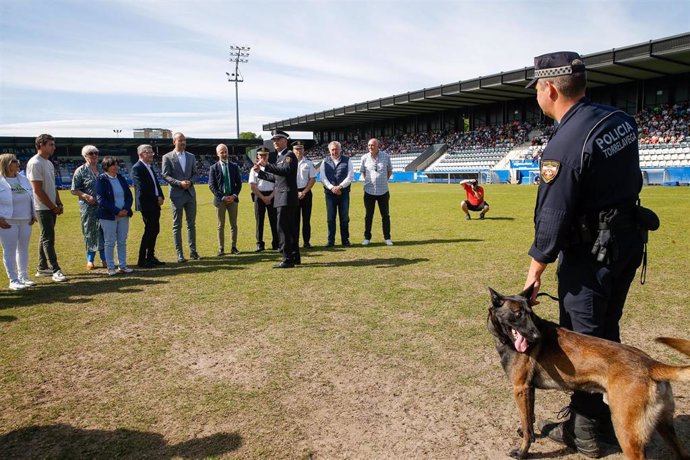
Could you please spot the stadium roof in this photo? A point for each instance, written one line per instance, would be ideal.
(656, 58)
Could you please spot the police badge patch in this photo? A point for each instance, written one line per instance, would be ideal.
(549, 170)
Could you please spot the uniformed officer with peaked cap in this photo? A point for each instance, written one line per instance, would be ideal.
(284, 174)
(590, 175)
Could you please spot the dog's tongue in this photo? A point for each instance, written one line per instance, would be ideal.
(520, 342)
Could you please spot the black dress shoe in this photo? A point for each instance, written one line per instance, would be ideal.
(347, 244)
(194, 256)
(260, 247)
(307, 246)
(284, 264)
(155, 261)
(181, 260)
(330, 245)
(221, 253)
(234, 250)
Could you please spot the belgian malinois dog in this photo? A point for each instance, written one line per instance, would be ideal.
(536, 353)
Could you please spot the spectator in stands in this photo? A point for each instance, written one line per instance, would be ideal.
(179, 170)
(475, 199)
(306, 178)
(376, 169)
(149, 199)
(17, 215)
(262, 195)
(84, 186)
(225, 183)
(114, 210)
(336, 175)
(47, 204)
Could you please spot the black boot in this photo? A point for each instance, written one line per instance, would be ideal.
(578, 432)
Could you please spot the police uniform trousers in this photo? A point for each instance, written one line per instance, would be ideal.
(305, 211)
(260, 211)
(592, 295)
(288, 234)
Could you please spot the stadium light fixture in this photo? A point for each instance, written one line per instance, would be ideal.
(238, 55)
(117, 132)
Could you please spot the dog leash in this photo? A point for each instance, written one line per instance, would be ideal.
(548, 295)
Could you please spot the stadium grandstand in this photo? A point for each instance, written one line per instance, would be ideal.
(491, 127)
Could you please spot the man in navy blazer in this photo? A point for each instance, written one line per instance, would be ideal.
(179, 170)
(225, 183)
(149, 199)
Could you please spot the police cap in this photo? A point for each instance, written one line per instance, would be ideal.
(262, 151)
(556, 64)
(275, 134)
(298, 145)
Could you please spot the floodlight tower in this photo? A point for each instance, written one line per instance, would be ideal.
(238, 54)
(117, 132)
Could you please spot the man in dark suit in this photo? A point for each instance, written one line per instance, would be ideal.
(179, 170)
(149, 199)
(225, 183)
(286, 201)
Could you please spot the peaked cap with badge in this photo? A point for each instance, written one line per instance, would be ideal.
(556, 64)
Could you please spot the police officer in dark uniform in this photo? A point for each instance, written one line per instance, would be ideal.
(585, 216)
(285, 200)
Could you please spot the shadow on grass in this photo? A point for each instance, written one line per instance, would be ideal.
(496, 218)
(64, 441)
(379, 263)
(431, 241)
(7, 319)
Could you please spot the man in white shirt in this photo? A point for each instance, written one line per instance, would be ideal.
(41, 172)
(376, 169)
(306, 178)
(262, 195)
(336, 177)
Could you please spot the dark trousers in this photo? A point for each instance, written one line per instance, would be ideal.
(305, 211)
(338, 205)
(260, 211)
(287, 232)
(369, 205)
(47, 259)
(147, 247)
(592, 296)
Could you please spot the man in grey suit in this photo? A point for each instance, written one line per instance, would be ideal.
(179, 170)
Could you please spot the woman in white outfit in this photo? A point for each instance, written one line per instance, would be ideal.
(17, 216)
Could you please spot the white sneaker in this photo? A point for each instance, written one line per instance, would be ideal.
(59, 277)
(47, 273)
(112, 272)
(366, 242)
(16, 286)
(125, 269)
(389, 242)
(27, 282)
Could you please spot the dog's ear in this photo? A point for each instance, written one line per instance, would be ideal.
(496, 298)
(527, 293)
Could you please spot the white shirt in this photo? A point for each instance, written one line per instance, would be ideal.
(153, 178)
(38, 168)
(264, 185)
(305, 171)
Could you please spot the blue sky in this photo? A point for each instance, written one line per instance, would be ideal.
(84, 68)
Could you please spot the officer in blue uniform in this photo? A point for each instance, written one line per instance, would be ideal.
(585, 216)
(286, 201)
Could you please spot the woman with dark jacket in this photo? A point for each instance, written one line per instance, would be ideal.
(114, 210)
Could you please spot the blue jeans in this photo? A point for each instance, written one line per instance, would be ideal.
(115, 232)
(338, 204)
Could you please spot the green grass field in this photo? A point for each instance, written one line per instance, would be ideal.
(362, 352)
